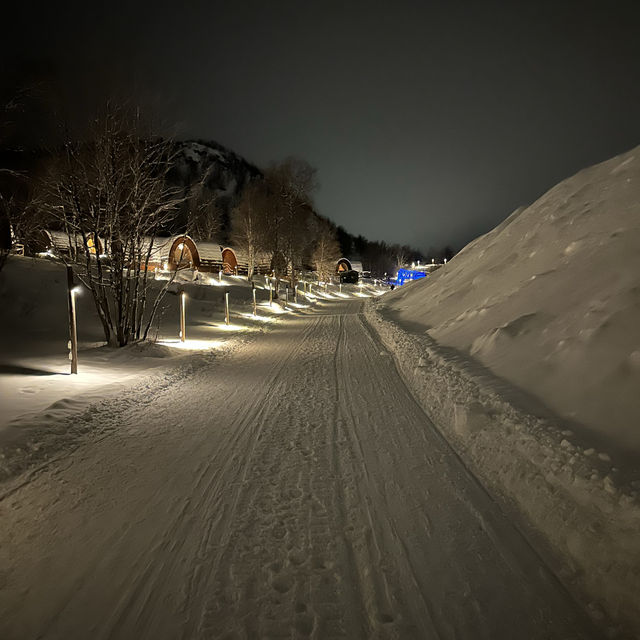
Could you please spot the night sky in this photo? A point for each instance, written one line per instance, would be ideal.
(428, 122)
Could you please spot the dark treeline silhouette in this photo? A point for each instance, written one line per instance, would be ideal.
(220, 194)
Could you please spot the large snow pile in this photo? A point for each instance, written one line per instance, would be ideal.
(550, 300)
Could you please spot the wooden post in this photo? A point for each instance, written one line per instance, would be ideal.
(255, 306)
(73, 334)
(183, 322)
(226, 307)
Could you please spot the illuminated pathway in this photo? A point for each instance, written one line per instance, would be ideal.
(291, 489)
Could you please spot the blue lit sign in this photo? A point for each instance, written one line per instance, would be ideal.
(405, 275)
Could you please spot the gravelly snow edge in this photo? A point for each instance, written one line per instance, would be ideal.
(563, 491)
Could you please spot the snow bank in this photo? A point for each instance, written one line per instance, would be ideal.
(579, 514)
(550, 302)
(550, 299)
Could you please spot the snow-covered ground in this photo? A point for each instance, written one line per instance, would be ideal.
(292, 488)
(314, 472)
(525, 351)
(550, 300)
(36, 390)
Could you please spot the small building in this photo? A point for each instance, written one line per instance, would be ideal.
(183, 252)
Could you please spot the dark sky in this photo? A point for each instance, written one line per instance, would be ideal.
(429, 122)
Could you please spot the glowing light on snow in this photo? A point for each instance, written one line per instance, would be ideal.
(192, 345)
(277, 309)
(297, 305)
(258, 318)
(229, 327)
(215, 283)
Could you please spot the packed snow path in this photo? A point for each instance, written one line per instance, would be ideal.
(292, 489)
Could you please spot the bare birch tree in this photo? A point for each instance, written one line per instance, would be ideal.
(326, 252)
(111, 198)
(249, 223)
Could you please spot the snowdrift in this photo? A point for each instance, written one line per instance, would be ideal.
(524, 350)
(550, 299)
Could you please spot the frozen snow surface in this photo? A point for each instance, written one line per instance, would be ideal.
(550, 299)
(524, 351)
(456, 460)
(292, 488)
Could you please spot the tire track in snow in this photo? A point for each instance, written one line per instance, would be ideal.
(320, 503)
(492, 557)
(216, 493)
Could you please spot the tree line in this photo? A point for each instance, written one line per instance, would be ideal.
(116, 186)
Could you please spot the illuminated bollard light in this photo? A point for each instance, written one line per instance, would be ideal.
(72, 291)
(255, 306)
(226, 307)
(183, 320)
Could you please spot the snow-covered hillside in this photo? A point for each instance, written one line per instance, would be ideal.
(550, 300)
(223, 171)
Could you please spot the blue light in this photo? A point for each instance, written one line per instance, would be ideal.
(408, 274)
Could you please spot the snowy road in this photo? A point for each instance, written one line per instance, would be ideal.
(292, 489)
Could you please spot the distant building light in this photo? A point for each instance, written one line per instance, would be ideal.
(405, 275)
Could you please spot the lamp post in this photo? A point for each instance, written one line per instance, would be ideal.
(73, 334)
(183, 322)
